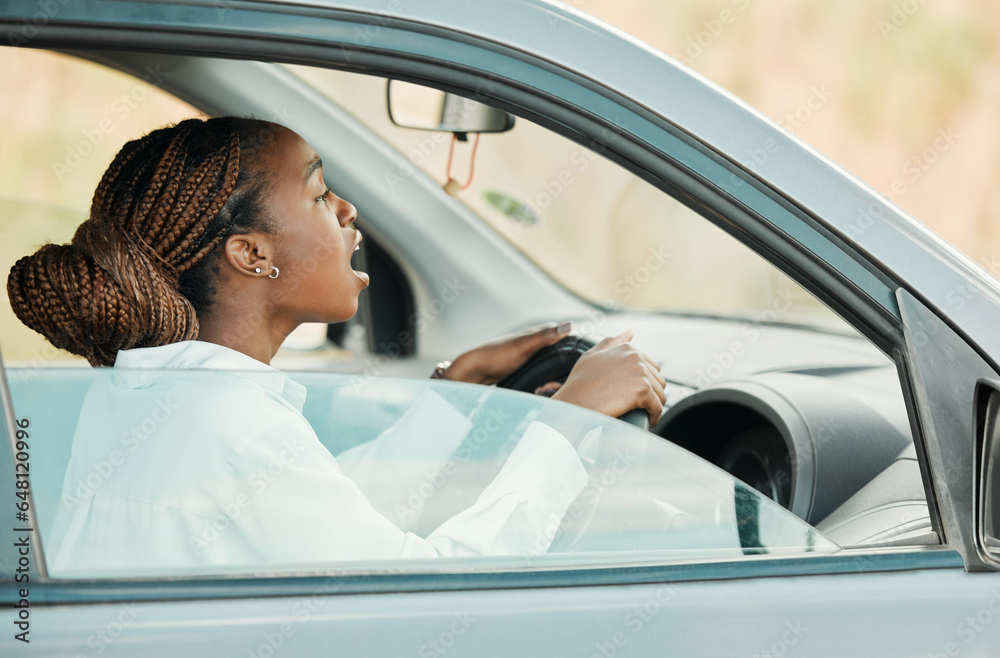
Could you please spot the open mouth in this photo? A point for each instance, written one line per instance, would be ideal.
(357, 257)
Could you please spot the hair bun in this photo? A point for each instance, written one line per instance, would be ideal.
(165, 202)
(99, 295)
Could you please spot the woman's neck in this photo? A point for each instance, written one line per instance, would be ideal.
(254, 334)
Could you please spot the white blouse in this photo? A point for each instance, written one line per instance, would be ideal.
(196, 471)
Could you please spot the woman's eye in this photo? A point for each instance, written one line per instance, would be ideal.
(324, 196)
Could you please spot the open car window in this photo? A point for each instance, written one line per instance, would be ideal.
(138, 476)
(812, 418)
(597, 229)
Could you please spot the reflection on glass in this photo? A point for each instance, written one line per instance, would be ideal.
(747, 507)
(419, 455)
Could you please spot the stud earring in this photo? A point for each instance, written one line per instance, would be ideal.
(256, 270)
(275, 275)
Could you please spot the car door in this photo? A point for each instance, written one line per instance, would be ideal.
(901, 601)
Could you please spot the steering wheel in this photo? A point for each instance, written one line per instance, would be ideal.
(553, 364)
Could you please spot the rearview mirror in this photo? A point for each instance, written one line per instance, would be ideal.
(987, 470)
(424, 108)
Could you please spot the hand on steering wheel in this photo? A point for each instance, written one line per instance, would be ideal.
(605, 382)
(613, 377)
(495, 361)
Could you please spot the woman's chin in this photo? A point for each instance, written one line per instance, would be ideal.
(347, 306)
(345, 316)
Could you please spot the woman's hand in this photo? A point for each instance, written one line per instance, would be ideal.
(613, 377)
(494, 361)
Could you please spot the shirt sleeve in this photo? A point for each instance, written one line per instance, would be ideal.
(522, 509)
(310, 512)
(414, 451)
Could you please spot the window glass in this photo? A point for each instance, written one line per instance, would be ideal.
(179, 472)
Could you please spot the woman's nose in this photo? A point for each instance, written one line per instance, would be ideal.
(346, 212)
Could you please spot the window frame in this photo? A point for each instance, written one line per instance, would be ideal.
(775, 227)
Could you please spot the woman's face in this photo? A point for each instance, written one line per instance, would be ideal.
(314, 236)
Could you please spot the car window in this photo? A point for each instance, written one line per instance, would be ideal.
(597, 229)
(753, 392)
(812, 419)
(137, 476)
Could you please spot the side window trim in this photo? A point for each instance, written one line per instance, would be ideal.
(26, 526)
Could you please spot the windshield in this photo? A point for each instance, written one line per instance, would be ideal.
(595, 228)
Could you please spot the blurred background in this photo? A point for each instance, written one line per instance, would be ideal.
(889, 77)
(909, 90)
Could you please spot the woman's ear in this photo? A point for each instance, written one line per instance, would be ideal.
(249, 253)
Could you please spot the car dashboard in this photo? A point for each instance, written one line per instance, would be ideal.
(814, 420)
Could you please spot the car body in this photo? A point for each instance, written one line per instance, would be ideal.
(874, 436)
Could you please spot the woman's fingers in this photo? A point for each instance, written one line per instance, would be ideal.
(654, 368)
(657, 382)
(548, 389)
(613, 341)
(659, 398)
(649, 393)
(545, 335)
(651, 403)
(492, 362)
(525, 344)
(624, 339)
(651, 365)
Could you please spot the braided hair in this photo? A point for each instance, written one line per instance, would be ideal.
(136, 273)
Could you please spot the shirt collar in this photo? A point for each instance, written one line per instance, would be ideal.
(196, 354)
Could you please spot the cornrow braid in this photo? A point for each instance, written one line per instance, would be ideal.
(135, 273)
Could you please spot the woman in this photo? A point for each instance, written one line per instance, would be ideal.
(208, 242)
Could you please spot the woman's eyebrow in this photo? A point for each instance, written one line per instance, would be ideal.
(313, 166)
